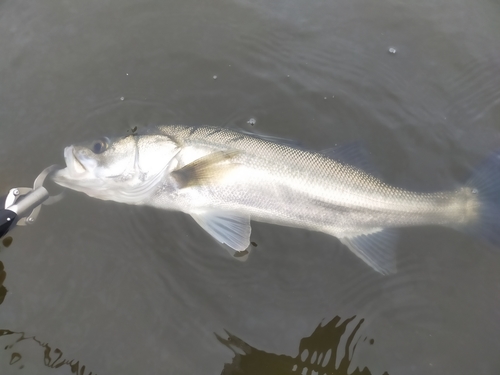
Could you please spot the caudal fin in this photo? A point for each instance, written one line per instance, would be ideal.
(485, 182)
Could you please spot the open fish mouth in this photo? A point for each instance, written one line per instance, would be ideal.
(78, 164)
(74, 172)
(78, 174)
(73, 163)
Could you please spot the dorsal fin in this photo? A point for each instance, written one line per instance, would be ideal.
(353, 154)
(272, 138)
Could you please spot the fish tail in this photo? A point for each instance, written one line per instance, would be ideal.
(485, 186)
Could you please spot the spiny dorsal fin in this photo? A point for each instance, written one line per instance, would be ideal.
(272, 138)
(205, 170)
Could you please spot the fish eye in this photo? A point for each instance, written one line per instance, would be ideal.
(100, 145)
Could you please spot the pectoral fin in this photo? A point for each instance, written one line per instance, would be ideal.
(375, 249)
(208, 169)
(227, 227)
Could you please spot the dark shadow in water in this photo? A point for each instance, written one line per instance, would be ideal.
(3, 290)
(52, 358)
(318, 354)
(7, 241)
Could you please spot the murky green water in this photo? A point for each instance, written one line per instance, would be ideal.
(106, 288)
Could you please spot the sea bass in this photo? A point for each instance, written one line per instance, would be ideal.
(225, 178)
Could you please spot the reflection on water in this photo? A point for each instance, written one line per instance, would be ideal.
(318, 354)
(3, 289)
(52, 358)
(11, 341)
(7, 241)
(321, 353)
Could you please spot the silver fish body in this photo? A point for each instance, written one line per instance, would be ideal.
(225, 178)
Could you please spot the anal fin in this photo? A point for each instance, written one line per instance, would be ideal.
(375, 249)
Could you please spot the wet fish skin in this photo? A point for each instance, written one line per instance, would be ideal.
(225, 178)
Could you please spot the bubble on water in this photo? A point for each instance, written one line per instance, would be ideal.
(288, 75)
(325, 98)
(392, 50)
(214, 77)
(122, 98)
(252, 121)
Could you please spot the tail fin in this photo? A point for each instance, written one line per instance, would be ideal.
(485, 182)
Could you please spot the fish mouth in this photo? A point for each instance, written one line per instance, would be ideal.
(78, 175)
(75, 169)
(78, 163)
(73, 164)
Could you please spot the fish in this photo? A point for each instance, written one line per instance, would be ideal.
(225, 178)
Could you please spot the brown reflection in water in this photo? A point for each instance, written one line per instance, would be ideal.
(7, 241)
(52, 358)
(318, 354)
(3, 290)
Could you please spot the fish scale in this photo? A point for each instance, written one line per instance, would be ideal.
(321, 181)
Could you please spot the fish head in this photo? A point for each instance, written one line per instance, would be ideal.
(126, 169)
